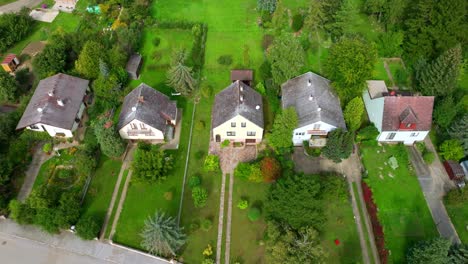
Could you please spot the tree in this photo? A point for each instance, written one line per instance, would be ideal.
(108, 138)
(314, 17)
(87, 228)
(247, 171)
(14, 27)
(286, 245)
(280, 19)
(458, 254)
(199, 196)
(88, 61)
(283, 126)
(211, 163)
(151, 163)
(353, 113)
(451, 150)
(271, 169)
(433, 251)
(180, 76)
(344, 19)
(286, 57)
(459, 130)
(53, 58)
(8, 87)
(266, 5)
(307, 208)
(439, 78)
(445, 111)
(339, 145)
(350, 63)
(161, 235)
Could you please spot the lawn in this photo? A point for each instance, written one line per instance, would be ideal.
(458, 216)
(402, 209)
(100, 191)
(48, 167)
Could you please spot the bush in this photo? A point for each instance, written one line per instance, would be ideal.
(451, 150)
(428, 157)
(199, 196)
(421, 146)
(297, 22)
(168, 196)
(194, 181)
(200, 125)
(225, 143)
(199, 154)
(156, 41)
(87, 228)
(211, 163)
(254, 214)
(243, 204)
(194, 226)
(47, 148)
(270, 168)
(369, 133)
(225, 60)
(206, 224)
(208, 251)
(267, 41)
(339, 145)
(260, 88)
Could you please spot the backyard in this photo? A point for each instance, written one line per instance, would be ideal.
(402, 209)
(458, 213)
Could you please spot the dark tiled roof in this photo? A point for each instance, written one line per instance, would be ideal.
(228, 104)
(69, 89)
(149, 106)
(314, 102)
(133, 64)
(408, 108)
(241, 75)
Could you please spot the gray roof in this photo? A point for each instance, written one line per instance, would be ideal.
(314, 100)
(149, 106)
(133, 63)
(237, 99)
(44, 107)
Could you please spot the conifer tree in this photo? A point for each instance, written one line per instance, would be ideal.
(179, 75)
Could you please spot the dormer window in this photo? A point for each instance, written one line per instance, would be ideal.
(408, 125)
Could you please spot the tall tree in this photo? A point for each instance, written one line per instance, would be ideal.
(344, 19)
(286, 57)
(108, 138)
(445, 111)
(339, 145)
(52, 59)
(459, 130)
(283, 127)
(349, 65)
(439, 78)
(14, 27)
(353, 113)
(8, 87)
(150, 163)
(280, 19)
(161, 235)
(433, 251)
(88, 61)
(180, 76)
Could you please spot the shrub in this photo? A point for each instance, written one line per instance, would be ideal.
(421, 146)
(194, 226)
(339, 145)
(206, 224)
(451, 150)
(428, 157)
(270, 168)
(156, 41)
(47, 148)
(168, 196)
(208, 261)
(260, 88)
(225, 143)
(297, 22)
(254, 214)
(208, 251)
(194, 181)
(242, 171)
(200, 125)
(199, 154)
(87, 228)
(267, 41)
(199, 196)
(225, 60)
(369, 133)
(353, 113)
(211, 163)
(243, 204)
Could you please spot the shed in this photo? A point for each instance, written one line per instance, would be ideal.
(10, 63)
(245, 76)
(133, 66)
(454, 170)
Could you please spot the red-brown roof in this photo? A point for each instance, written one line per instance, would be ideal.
(454, 169)
(415, 108)
(241, 75)
(8, 58)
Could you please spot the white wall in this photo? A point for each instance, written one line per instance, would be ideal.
(403, 136)
(374, 108)
(241, 132)
(299, 139)
(52, 130)
(158, 134)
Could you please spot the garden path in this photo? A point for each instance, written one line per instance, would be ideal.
(39, 157)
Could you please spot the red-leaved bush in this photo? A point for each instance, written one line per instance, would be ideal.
(376, 226)
(271, 169)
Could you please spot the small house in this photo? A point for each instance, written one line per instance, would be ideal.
(245, 76)
(148, 115)
(317, 106)
(455, 172)
(238, 114)
(56, 106)
(133, 66)
(10, 63)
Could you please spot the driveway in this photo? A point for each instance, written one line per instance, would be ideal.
(39, 157)
(16, 6)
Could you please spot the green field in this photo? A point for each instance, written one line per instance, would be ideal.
(402, 209)
(458, 215)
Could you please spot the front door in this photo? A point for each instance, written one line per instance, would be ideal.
(218, 138)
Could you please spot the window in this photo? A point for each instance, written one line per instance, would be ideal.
(408, 125)
(142, 126)
(251, 133)
(316, 126)
(33, 127)
(243, 124)
(391, 136)
(414, 134)
(233, 124)
(300, 133)
(231, 133)
(133, 126)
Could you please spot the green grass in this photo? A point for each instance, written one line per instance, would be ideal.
(49, 166)
(458, 215)
(100, 191)
(403, 211)
(363, 223)
(117, 199)
(380, 73)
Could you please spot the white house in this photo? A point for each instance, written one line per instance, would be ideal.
(238, 114)
(147, 114)
(56, 106)
(399, 116)
(317, 107)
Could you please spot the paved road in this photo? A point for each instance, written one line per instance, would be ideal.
(16, 6)
(43, 248)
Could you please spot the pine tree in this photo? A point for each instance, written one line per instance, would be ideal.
(180, 76)
(286, 57)
(458, 254)
(459, 130)
(439, 78)
(161, 235)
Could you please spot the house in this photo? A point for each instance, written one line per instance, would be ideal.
(398, 115)
(10, 63)
(317, 106)
(147, 114)
(238, 114)
(65, 5)
(245, 76)
(455, 172)
(133, 66)
(56, 106)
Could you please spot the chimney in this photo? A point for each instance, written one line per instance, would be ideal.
(311, 98)
(309, 82)
(60, 102)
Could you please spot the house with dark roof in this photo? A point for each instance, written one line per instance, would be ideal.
(147, 114)
(399, 116)
(56, 106)
(133, 66)
(317, 106)
(238, 114)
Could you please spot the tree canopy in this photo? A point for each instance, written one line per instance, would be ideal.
(53, 58)
(151, 163)
(8, 87)
(339, 145)
(353, 113)
(88, 61)
(283, 127)
(179, 76)
(286, 57)
(108, 138)
(433, 251)
(14, 27)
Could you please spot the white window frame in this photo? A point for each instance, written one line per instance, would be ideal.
(233, 124)
(391, 136)
(243, 124)
(251, 133)
(414, 134)
(231, 133)
(316, 127)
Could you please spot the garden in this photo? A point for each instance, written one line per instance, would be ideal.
(457, 208)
